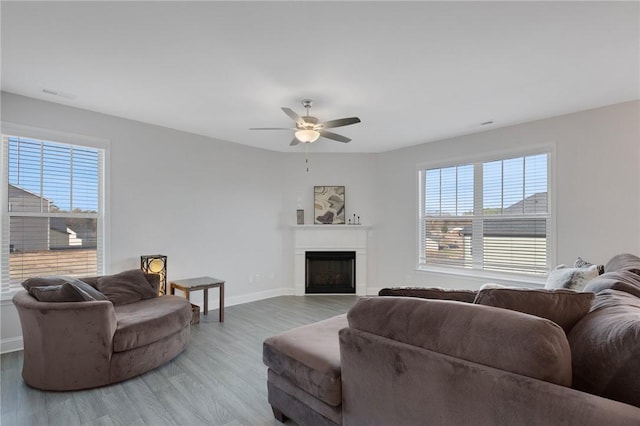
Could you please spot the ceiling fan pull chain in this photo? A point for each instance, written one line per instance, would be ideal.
(306, 155)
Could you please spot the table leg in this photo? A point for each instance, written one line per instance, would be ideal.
(206, 301)
(186, 295)
(173, 289)
(222, 302)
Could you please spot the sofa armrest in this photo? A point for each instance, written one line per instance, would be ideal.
(385, 381)
(67, 345)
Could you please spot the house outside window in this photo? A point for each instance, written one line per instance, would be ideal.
(486, 216)
(52, 219)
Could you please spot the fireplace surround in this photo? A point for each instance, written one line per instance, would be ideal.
(330, 238)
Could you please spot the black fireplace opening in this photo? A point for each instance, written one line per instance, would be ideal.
(330, 272)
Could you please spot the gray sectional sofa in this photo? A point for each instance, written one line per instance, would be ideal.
(418, 360)
(84, 343)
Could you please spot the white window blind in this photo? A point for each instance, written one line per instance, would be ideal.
(492, 216)
(52, 218)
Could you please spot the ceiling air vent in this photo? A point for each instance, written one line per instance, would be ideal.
(58, 94)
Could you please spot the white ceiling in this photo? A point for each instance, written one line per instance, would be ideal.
(414, 72)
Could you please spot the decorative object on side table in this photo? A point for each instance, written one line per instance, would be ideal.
(195, 314)
(328, 205)
(156, 264)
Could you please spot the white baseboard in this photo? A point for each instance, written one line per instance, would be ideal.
(373, 291)
(11, 344)
(259, 295)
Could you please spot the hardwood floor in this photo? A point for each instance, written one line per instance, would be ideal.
(218, 380)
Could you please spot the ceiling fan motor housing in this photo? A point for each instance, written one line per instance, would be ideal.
(309, 122)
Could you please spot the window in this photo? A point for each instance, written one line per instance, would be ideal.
(52, 219)
(491, 216)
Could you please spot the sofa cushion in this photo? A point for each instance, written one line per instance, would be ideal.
(309, 357)
(605, 347)
(619, 280)
(126, 287)
(499, 338)
(572, 278)
(430, 293)
(148, 321)
(564, 307)
(623, 262)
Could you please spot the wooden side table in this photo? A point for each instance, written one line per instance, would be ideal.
(201, 283)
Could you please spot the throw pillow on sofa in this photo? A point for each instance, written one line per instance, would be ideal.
(581, 263)
(61, 289)
(564, 307)
(623, 262)
(58, 293)
(625, 281)
(572, 278)
(126, 287)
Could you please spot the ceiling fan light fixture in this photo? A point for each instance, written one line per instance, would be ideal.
(307, 135)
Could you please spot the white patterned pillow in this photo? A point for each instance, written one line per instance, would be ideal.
(572, 278)
(581, 263)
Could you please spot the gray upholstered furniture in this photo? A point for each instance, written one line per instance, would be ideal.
(415, 361)
(304, 373)
(85, 344)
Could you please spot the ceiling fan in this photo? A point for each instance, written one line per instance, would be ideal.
(308, 129)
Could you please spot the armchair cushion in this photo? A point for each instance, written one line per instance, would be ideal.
(149, 320)
(126, 287)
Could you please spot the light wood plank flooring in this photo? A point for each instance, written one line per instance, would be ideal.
(218, 380)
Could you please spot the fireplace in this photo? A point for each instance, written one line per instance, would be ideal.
(330, 238)
(330, 272)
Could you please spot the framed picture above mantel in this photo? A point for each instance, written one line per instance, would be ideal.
(328, 205)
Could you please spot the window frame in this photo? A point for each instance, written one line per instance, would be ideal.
(497, 155)
(18, 130)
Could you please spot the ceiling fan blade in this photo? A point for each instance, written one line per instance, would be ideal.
(295, 117)
(340, 122)
(334, 136)
(271, 128)
(294, 142)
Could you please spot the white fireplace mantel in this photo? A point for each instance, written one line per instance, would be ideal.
(330, 238)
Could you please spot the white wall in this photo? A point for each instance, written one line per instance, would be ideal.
(210, 205)
(355, 171)
(213, 207)
(597, 182)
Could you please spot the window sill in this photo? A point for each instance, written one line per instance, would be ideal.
(7, 298)
(499, 277)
